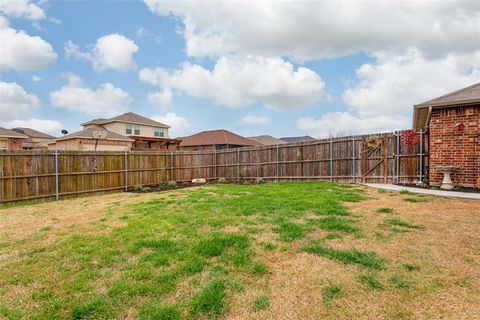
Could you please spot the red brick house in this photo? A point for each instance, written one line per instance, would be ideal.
(453, 123)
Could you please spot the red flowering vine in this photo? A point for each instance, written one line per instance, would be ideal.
(410, 137)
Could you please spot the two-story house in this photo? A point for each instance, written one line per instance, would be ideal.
(128, 131)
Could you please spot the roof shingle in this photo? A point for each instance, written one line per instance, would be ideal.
(88, 134)
(33, 133)
(212, 137)
(128, 117)
(11, 134)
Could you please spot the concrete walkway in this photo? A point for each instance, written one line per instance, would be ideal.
(442, 193)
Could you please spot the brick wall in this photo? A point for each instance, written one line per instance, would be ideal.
(15, 144)
(460, 148)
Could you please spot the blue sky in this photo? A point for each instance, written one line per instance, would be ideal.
(282, 69)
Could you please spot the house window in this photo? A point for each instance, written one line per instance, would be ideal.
(137, 129)
(158, 132)
(128, 128)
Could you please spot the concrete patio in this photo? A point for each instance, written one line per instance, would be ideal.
(442, 193)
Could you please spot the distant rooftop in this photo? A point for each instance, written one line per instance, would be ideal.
(11, 134)
(267, 140)
(128, 117)
(298, 139)
(88, 134)
(212, 137)
(33, 133)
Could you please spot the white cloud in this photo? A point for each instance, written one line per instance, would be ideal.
(319, 29)
(395, 83)
(160, 98)
(16, 109)
(47, 126)
(106, 101)
(112, 51)
(240, 82)
(21, 9)
(344, 123)
(55, 20)
(36, 79)
(20, 51)
(16, 103)
(177, 123)
(251, 119)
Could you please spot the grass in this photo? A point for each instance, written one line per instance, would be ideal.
(331, 292)
(202, 253)
(385, 210)
(367, 259)
(370, 280)
(415, 199)
(401, 223)
(261, 303)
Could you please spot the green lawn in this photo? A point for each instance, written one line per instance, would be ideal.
(187, 254)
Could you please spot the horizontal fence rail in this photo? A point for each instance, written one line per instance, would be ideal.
(28, 175)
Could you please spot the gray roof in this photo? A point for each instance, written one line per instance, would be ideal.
(466, 96)
(11, 134)
(298, 139)
(33, 133)
(267, 140)
(88, 134)
(128, 117)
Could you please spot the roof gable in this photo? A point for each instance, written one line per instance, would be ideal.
(298, 139)
(128, 117)
(11, 134)
(267, 140)
(88, 134)
(216, 137)
(33, 133)
(470, 93)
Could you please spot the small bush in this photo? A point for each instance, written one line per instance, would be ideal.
(138, 187)
(385, 210)
(172, 183)
(261, 303)
(331, 292)
(222, 180)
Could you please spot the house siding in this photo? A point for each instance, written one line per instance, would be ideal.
(459, 148)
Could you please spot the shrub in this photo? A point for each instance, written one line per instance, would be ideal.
(138, 187)
(259, 180)
(222, 180)
(171, 183)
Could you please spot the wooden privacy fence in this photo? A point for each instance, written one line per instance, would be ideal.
(27, 175)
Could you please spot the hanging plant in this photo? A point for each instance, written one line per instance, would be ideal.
(410, 137)
(373, 143)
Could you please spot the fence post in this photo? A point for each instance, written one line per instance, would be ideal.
(215, 162)
(398, 156)
(171, 167)
(57, 195)
(330, 157)
(276, 164)
(420, 171)
(353, 158)
(238, 164)
(126, 169)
